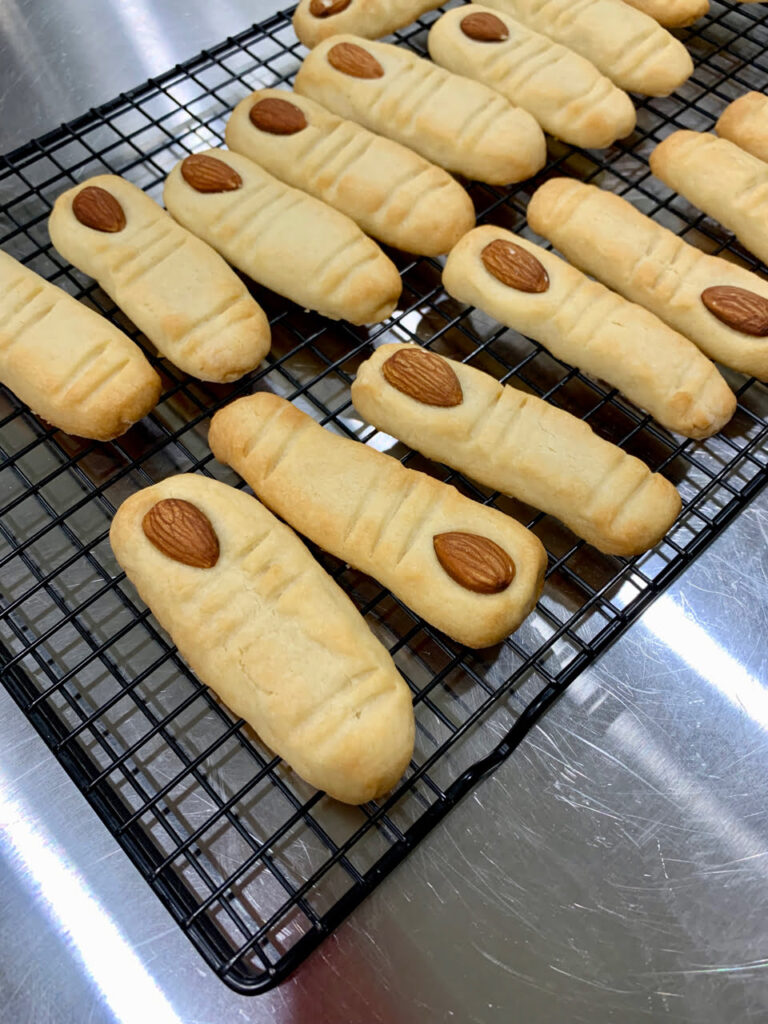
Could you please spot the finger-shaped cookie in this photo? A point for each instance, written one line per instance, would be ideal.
(722, 180)
(175, 288)
(564, 91)
(517, 444)
(283, 238)
(459, 124)
(633, 50)
(315, 20)
(262, 624)
(391, 192)
(672, 13)
(68, 364)
(470, 570)
(745, 122)
(721, 307)
(583, 323)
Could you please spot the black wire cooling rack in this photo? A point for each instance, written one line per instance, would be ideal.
(253, 864)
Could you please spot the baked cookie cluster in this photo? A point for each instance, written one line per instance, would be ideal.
(373, 147)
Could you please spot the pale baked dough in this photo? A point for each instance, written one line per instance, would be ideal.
(276, 639)
(289, 242)
(588, 326)
(607, 237)
(368, 509)
(459, 124)
(722, 180)
(672, 13)
(745, 122)
(175, 288)
(67, 363)
(369, 18)
(564, 91)
(394, 194)
(630, 48)
(522, 446)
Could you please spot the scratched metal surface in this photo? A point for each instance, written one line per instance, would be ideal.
(612, 870)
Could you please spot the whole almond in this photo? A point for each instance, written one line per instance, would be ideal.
(351, 59)
(424, 376)
(484, 28)
(182, 532)
(98, 209)
(209, 174)
(475, 563)
(738, 308)
(326, 8)
(278, 117)
(514, 266)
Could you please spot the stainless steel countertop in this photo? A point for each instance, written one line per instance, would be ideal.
(613, 870)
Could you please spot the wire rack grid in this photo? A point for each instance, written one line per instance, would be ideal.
(254, 865)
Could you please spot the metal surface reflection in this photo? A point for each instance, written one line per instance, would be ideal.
(679, 631)
(42, 864)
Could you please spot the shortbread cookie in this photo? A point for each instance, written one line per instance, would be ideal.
(722, 180)
(672, 13)
(261, 623)
(517, 444)
(459, 124)
(721, 307)
(316, 20)
(470, 570)
(283, 238)
(67, 363)
(175, 288)
(584, 324)
(745, 122)
(564, 91)
(633, 50)
(390, 191)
